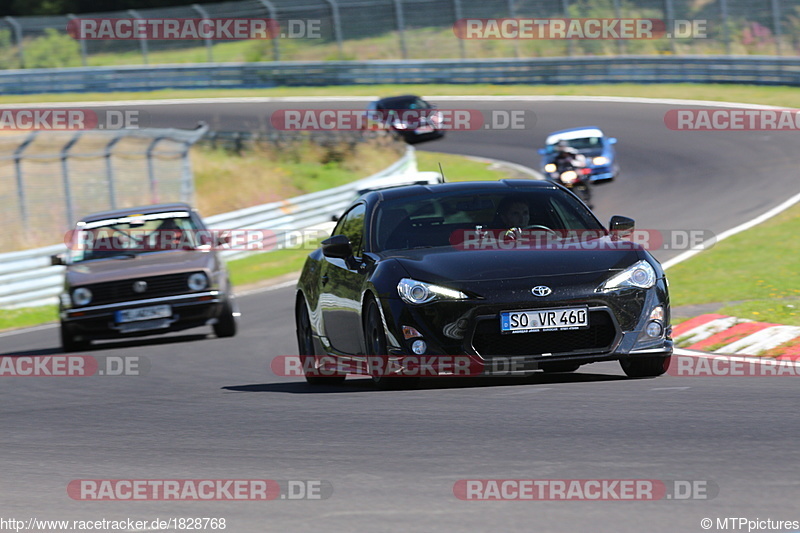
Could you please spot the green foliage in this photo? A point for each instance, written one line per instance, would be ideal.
(9, 57)
(54, 50)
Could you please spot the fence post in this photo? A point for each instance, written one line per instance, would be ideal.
(570, 43)
(669, 15)
(112, 188)
(273, 14)
(512, 13)
(776, 25)
(459, 15)
(618, 14)
(143, 41)
(65, 178)
(726, 33)
(151, 171)
(23, 201)
(209, 45)
(187, 179)
(18, 37)
(82, 42)
(401, 25)
(337, 26)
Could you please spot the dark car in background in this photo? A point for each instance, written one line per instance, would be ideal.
(408, 116)
(432, 271)
(143, 271)
(593, 144)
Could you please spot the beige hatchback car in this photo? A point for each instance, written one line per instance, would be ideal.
(143, 271)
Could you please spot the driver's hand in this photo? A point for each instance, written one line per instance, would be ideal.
(512, 234)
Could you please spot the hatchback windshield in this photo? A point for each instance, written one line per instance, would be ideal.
(132, 235)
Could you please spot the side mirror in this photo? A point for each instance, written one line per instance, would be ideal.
(542, 151)
(612, 140)
(337, 246)
(621, 227)
(58, 260)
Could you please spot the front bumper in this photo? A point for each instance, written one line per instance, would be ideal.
(188, 311)
(617, 331)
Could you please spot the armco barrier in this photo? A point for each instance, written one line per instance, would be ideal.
(761, 70)
(28, 279)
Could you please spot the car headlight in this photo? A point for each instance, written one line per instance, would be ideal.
(81, 296)
(418, 292)
(198, 281)
(568, 177)
(549, 167)
(639, 275)
(600, 160)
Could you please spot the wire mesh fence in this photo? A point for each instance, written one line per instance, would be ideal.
(405, 29)
(49, 179)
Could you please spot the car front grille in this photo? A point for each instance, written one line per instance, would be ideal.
(122, 291)
(598, 338)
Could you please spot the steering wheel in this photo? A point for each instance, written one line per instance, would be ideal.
(539, 226)
(128, 237)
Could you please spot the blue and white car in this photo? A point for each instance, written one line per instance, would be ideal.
(593, 144)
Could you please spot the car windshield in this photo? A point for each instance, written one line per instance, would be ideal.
(585, 143)
(442, 219)
(403, 103)
(133, 235)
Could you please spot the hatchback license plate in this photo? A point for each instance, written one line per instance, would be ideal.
(534, 320)
(143, 313)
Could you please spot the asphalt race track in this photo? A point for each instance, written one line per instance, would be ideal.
(211, 408)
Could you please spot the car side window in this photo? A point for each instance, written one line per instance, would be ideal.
(352, 226)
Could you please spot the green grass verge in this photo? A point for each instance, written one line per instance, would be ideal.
(779, 96)
(27, 316)
(754, 274)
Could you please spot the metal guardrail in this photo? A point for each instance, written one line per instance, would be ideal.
(760, 70)
(28, 279)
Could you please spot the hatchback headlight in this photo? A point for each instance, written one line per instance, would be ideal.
(198, 281)
(600, 160)
(640, 275)
(418, 292)
(81, 296)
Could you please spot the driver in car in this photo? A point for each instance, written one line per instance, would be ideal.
(515, 215)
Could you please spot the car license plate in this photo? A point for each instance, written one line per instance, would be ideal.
(130, 327)
(424, 129)
(534, 320)
(143, 313)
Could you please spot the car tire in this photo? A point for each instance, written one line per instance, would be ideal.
(68, 341)
(376, 345)
(226, 323)
(645, 367)
(552, 368)
(305, 347)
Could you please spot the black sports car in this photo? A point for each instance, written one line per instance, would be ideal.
(478, 278)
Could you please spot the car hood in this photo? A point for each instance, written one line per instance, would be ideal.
(461, 268)
(140, 266)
